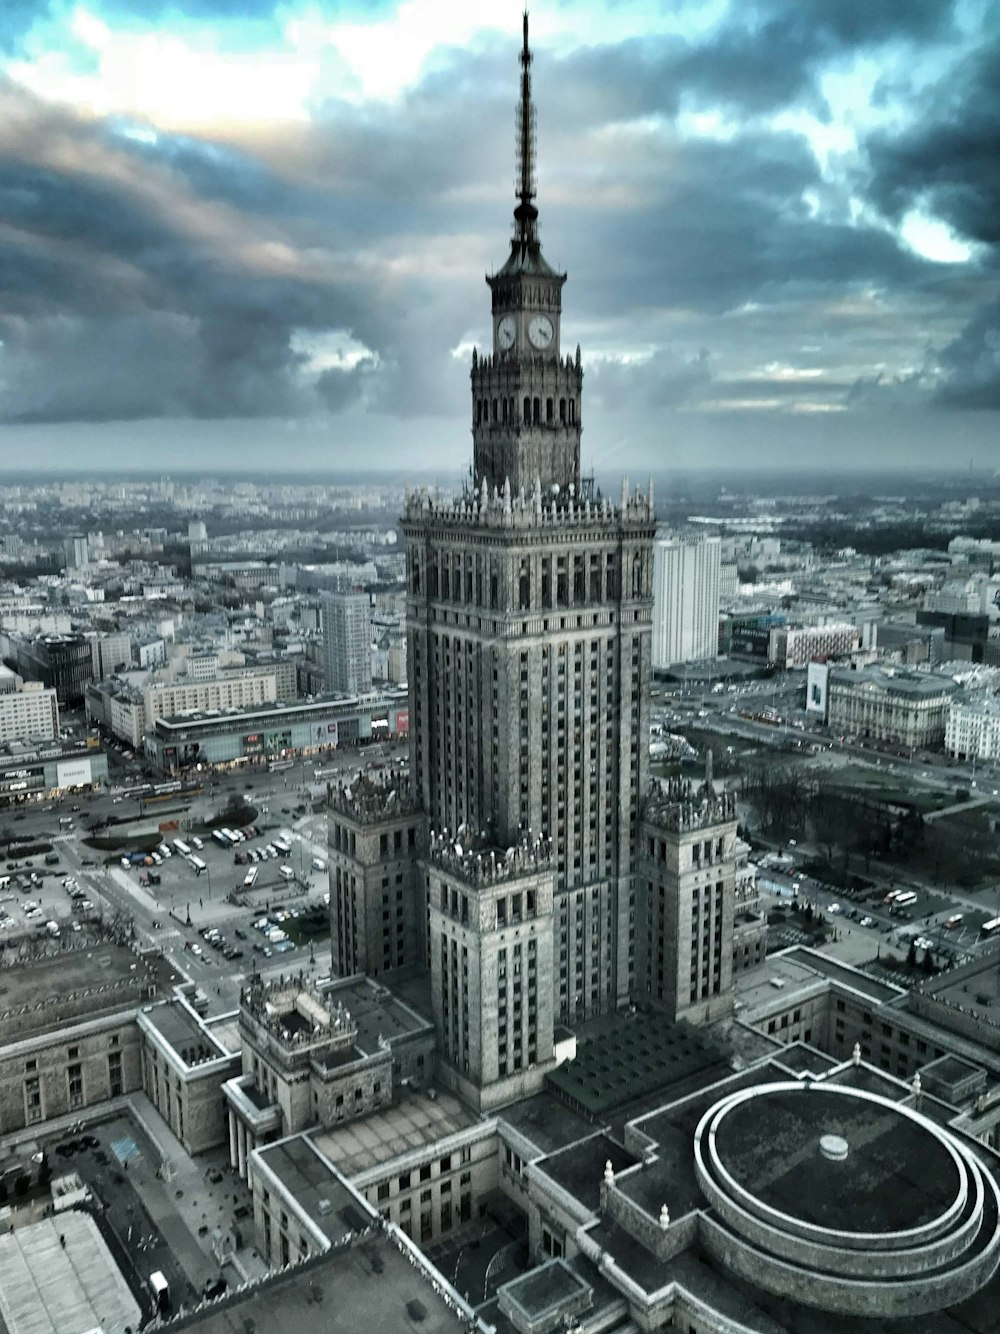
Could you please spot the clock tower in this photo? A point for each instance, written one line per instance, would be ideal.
(525, 395)
(528, 617)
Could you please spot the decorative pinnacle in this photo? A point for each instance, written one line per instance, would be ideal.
(526, 215)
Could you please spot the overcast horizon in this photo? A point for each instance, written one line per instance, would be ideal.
(253, 237)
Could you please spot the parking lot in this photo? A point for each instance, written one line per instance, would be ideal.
(40, 903)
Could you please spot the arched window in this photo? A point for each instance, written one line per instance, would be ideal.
(527, 410)
(562, 411)
(536, 411)
(479, 411)
(636, 576)
(549, 411)
(496, 411)
(572, 410)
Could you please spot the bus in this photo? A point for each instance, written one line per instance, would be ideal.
(182, 847)
(990, 928)
(283, 846)
(276, 766)
(250, 877)
(198, 844)
(197, 863)
(956, 919)
(219, 837)
(234, 835)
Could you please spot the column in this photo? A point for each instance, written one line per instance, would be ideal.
(241, 1135)
(233, 1150)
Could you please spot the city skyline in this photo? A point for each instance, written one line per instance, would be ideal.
(260, 238)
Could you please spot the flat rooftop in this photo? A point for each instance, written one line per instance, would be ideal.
(376, 1011)
(51, 1288)
(371, 1286)
(580, 1168)
(180, 1029)
(75, 984)
(626, 1057)
(896, 1175)
(415, 1122)
(799, 969)
(318, 1191)
(547, 1122)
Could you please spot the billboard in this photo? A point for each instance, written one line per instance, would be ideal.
(402, 722)
(817, 678)
(73, 773)
(326, 734)
(21, 780)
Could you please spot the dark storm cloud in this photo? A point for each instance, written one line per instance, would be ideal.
(948, 165)
(121, 294)
(764, 56)
(135, 279)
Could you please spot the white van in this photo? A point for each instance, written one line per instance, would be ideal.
(287, 872)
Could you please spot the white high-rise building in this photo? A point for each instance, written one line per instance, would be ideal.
(32, 711)
(347, 643)
(685, 600)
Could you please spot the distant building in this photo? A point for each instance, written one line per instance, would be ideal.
(897, 705)
(747, 635)
(32, 711)
(913, 644)
(686, 577)
(62, 662)
(77, 552)
(347, 639)
(973, 728)
(796, 647)
(111, 653)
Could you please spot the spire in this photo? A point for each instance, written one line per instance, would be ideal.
(526, 215)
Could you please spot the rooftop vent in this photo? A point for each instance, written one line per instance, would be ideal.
(834, 1148)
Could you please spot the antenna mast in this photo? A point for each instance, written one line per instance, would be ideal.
(526, 215)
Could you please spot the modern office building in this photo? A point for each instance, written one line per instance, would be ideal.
(686, 584)
(62, 662)
(273, 732)
(347, 643)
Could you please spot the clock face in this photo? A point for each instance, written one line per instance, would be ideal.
(506, 333)
(540, 331)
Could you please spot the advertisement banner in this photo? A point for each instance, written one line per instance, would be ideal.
(325, 734)
(817, 678)
(73, 773)
(402, 722)
(19, 780)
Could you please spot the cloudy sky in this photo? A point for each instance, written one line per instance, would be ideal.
(253, 233)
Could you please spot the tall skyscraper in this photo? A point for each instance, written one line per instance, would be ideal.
(685, 600)
(77, 552)
(529, 609)
(347, 643)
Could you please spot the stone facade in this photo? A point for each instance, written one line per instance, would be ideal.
(79, 1066)
(490, 944)
(377, 913)
(688, 899)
